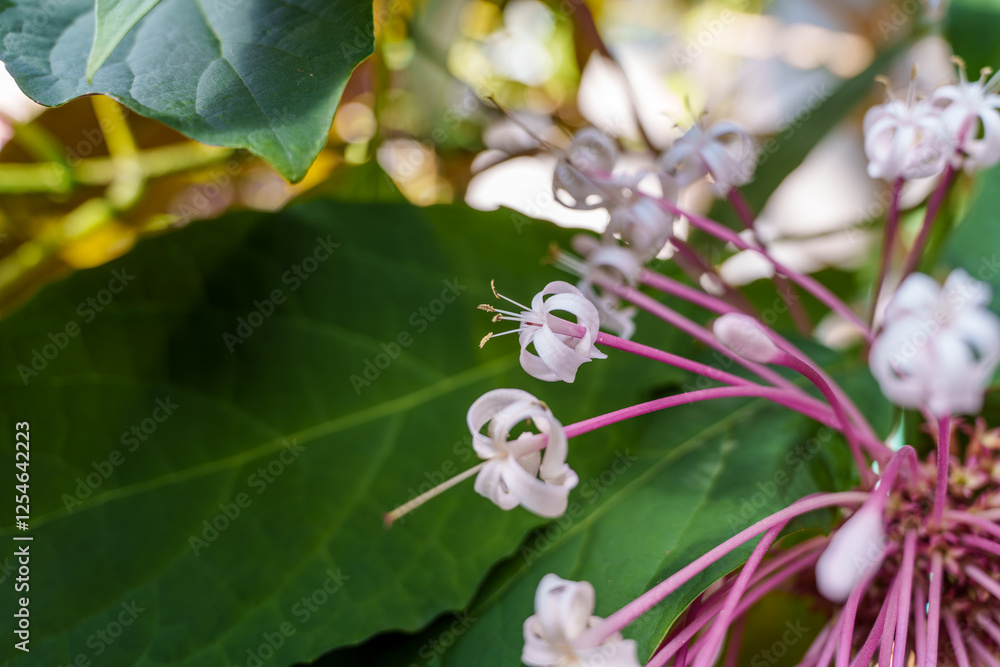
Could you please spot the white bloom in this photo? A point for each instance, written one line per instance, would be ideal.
(745, 337)
(643, 224)
(854, 552)
(583, 168)
(964, 106)
(723, 151)
(516, 473)
(563, 610)
(939, 345)
(557, 354)
(906, 139)
(608, 261)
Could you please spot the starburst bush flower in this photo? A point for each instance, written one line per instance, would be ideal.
(909, 572)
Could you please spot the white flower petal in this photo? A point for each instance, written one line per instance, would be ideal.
(855, 551)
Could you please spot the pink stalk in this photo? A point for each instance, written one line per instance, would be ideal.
(913, 257)
(826, 657)
(716, 305)
(717, 635)
(600, 421)
(805, 282)
(696, 331)
(934, 609)
(735, 640)
(920, 625)
(682, 639)
(633, 610)
(982, 543)
(785, 288)
(812, 655)
(989, 626)
(973, 520)
(850, 615)
(683, 363)
(864, 656)
(986, 657)
(693, 611)
(957, 643)
(811, 374)
(686, 257)
(807, 551)
(943, 457)
(983, 580)
(905, 590)
(889, 628)
(888, 241)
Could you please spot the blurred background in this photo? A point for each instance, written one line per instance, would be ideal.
(81, 183)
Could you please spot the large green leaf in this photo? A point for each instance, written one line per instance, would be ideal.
(121, 491)
(113, 20)
(702, 473)
(265, 75)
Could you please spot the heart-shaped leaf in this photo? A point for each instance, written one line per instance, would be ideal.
(265, 75)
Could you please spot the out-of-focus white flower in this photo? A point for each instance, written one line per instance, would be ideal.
(557, 354)
(939, 345)
(964, 106)
(604, 261)
(854, 552)
(745, 337)
(906, 139)
(642, 223)
(583, 171)
(516, 473)
(723, 151)
(15, 107)
(563, 610)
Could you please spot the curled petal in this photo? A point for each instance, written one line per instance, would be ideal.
(543, 498)
(745, 337)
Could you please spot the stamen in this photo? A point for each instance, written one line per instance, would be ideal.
(487, 307)
(541, 142)
(405, 508)
(497, 294)
(884, 80)
(485, 339)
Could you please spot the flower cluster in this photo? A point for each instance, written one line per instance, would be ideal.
(917, 549)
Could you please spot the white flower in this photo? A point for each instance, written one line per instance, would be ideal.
(724, 152)
(583, 169)
(609, 262)
(563, 610)
(939, 346)
(643, 225)
(516, 473)
(854, 552)
(964, 106)
(906, 139)
(557, 354)
(745, 337)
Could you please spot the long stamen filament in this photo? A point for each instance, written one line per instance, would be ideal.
(408, 507)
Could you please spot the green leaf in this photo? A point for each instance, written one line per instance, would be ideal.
(703, 472)
(974, 245)
(114, 18)
(161, 391)
(265, 75)
(973, 29)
